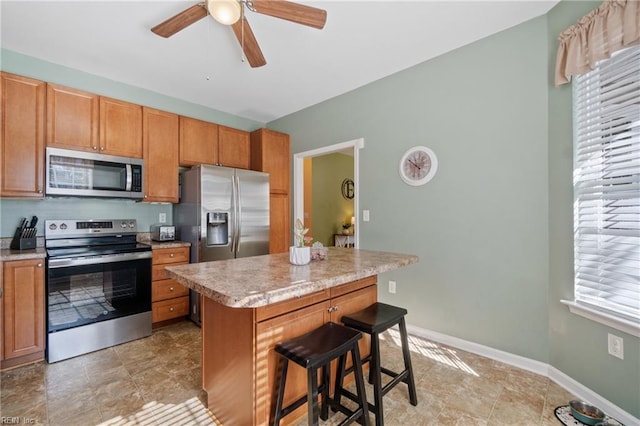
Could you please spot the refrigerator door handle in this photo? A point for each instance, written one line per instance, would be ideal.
(234, 217)
(238, 214)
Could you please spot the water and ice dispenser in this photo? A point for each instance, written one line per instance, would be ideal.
(217, 228)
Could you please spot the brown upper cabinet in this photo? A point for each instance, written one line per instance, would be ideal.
(198, 142)
(22, 118)
(87, 122)
(72, 118)
(270, 152)
(160, 141)
(202, 142)
(120, 128)
(234, 147)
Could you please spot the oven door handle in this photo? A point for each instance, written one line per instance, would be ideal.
(65, 262)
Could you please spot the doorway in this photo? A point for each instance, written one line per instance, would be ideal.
(353, 148)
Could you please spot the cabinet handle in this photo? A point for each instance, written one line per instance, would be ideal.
(39, 191)
(170, 288)
(171, 255)
(171, 309)
(95, 148)
(39, 265)
(335, 308)
(102, 148)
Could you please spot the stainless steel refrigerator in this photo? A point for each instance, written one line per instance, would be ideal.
(224, 214)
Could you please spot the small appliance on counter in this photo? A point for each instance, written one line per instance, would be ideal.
(161, 232)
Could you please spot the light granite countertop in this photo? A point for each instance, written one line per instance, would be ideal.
(257, 281)
(7, 255)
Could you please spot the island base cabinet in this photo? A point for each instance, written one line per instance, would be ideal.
(240, 368)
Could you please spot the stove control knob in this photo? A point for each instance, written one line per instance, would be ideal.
(123, 225)
(53, 226)
(63, 226)
(132, 225)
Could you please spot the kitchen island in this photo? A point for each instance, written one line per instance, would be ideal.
(251, 304)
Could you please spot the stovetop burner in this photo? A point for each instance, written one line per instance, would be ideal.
(83, 238)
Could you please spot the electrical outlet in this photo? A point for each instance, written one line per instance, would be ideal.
(162, 218)
(392, 287)
(365, 215)
(616, 346)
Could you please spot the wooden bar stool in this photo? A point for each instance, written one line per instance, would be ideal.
(315, 350)
(374, 320)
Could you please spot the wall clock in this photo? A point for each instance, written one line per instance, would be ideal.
(418, 165)
(348, 189)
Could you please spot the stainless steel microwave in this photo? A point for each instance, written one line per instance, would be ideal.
(88, 174)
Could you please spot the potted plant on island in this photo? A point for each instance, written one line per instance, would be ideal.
(299, 254)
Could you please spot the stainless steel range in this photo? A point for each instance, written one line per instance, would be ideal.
(98, 286)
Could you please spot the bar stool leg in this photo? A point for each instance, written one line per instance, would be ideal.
(324, 408)
(312, 396)
(374, 366)
(337, 393)
(413, 399)
(357, 365)
(283, 377)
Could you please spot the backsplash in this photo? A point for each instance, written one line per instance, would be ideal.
(11, 211)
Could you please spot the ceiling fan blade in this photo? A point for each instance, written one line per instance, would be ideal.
(294, 12)
(251, 49)
(181, 20)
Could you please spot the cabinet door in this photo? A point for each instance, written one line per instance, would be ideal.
(120, 128)
(72, 118)
(233, 147)
(160, 142)
(270, 152)
(198, 142)
(279, 222)
(22, 136)
(23, 307)
(270, 333)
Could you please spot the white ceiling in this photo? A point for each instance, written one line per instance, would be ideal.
(362, 41)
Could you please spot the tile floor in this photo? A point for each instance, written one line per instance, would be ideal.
(156, 381)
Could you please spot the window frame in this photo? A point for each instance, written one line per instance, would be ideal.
(599, 310)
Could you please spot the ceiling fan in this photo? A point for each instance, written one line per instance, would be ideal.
(231, 12)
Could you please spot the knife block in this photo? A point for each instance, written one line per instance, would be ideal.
(24, 239)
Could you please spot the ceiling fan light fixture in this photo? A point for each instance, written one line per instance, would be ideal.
(227, 12)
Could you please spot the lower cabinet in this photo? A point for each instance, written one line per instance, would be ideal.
(23, 312)
(170, 299)
(240, 365)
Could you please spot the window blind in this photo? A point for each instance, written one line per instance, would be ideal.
(606, 105)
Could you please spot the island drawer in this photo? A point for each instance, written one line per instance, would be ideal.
(171, 308)
(353, 286)
(171, 255)
(167, 289)
(270, 311)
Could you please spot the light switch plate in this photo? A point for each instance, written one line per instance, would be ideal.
(365, 215)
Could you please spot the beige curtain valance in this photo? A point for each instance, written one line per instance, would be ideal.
(615, 24)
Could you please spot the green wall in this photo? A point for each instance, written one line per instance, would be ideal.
(82, 208)
(329, 208)
(493, 229)
(578, 345)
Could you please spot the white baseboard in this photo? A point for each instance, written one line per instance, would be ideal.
(571, 385)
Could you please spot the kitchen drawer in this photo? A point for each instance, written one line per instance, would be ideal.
(158, 272)
(171, 255)
(169, 309)
(353, 286)
(167, 289)
(270, 311)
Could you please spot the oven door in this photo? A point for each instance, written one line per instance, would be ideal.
(92, 289)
